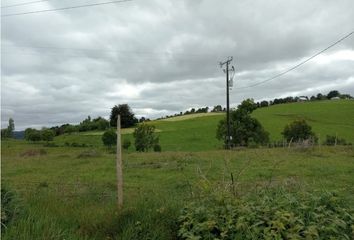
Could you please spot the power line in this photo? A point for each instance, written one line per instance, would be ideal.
(64, 8)
(299, 64)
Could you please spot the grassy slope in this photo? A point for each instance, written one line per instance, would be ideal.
(196, 132)
(325, 117)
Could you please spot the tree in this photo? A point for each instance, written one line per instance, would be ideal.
(32, 135)
(333, 93)
(298, 130)
(47, 135)
(109, 138)
(217, 108)
(243, 128)
(145, 137)
(126, 115)
(11, 128)
(264, 104)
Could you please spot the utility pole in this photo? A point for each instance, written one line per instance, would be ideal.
(119, 166)
(228, 84)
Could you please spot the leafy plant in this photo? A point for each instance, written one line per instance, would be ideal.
(126, 144)
(298, 130)
(243, 126)
(268, 215)
(145, 137)
(109, 138)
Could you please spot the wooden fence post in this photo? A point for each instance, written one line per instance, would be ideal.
(119, 166)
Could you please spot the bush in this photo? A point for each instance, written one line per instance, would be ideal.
(157, 148)
(9, 206)
(298, 130)
(109, 138)
(145, 137)
(47, 135)
(268, 215)
(334, 140)
(32, 135)
(243, 126)
(126, 144)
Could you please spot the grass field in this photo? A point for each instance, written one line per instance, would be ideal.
(70, 192)
(196, 132)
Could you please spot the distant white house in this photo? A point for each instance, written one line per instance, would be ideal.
(335, 98)
(303, 99)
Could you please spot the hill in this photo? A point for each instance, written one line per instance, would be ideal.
(332, 117)
(196, 132)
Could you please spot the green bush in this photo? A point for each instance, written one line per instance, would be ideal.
(334, 140)
(268, 215)
(243, 127)
(298, 130)
(157, 148)
(126, 144)
(145, 137)
(109, 138)
(9, 207)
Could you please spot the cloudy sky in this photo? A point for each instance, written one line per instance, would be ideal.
(161, 56)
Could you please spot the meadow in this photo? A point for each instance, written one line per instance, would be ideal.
(68, 192)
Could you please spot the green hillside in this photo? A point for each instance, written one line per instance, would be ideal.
(333, 117)
(196, 132)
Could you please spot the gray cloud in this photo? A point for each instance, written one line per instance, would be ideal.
(161, 57)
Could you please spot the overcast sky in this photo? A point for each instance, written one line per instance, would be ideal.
(161, 56)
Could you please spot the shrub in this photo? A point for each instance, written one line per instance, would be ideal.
(243, 126)
(145, 137)
(47, 135)
(9, 206)
(157, 148)
(298, 130)
(268, 215)
(109, 138)
(126, 144)
(334, 140)
(32, 135)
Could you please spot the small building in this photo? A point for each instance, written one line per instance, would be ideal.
(302, 99)
(335, 98)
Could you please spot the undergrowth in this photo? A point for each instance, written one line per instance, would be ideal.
(269, 214)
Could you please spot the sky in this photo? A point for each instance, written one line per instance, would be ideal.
(162, 56)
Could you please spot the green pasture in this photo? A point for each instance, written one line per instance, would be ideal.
(70, 192)
(67, 192)
(196, 132)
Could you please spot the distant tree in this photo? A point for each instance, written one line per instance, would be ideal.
(126, 115)
(244, 127)
(11, 128)
(264, 104)
(100, 123)
(320, 96)
(217, 108)
(313, 98)
(142, 119)
(109, 138)
(298, 130)
(145, 137)
(47, 135)
(333, 93)
(32, 135)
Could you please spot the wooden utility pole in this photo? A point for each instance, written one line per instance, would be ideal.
(227, 63)
(119, 166)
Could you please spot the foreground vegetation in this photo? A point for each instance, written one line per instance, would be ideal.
(193, 189)
(69, 192)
